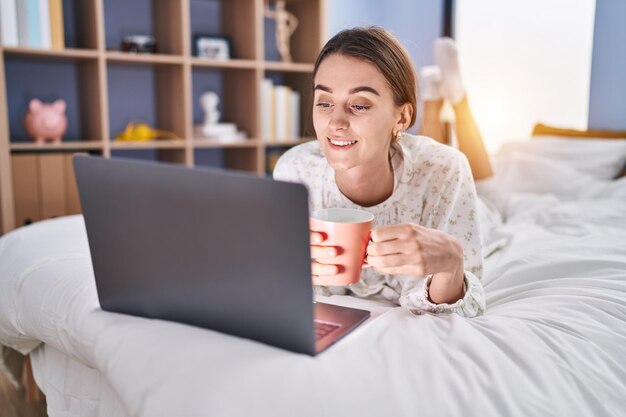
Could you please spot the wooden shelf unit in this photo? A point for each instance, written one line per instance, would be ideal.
(93, 56)
(52, 53)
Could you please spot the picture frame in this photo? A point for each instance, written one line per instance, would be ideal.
(212, 46)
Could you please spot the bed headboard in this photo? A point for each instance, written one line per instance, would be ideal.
(540, 129)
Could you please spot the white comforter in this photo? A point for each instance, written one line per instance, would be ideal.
(552, 342)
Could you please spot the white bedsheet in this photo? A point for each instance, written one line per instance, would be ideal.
(552, 342)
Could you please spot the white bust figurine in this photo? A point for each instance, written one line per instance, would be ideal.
(211, 127)
(209, 102)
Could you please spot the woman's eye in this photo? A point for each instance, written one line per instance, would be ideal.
(360, 107)
(323, 105)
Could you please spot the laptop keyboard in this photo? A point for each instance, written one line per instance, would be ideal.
(322, 328)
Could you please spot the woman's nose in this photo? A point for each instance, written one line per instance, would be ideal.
(339, 120)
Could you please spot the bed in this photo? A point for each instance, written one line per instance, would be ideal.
(552, 342)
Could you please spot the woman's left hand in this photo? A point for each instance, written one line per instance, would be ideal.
(411, 249)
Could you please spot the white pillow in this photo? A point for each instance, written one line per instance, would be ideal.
(522, 172)
(600, 158)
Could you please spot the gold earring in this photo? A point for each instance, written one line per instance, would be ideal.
(397, 136)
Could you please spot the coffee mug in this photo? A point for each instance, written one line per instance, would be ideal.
(348, 230)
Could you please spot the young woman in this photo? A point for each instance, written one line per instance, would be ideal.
(425, 248)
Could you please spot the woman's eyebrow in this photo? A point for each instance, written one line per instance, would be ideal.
(323, 88)
(352, 91)
(364, 88)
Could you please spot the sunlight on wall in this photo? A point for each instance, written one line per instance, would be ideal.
(525, 62)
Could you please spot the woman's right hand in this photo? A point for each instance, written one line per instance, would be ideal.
(322, 257)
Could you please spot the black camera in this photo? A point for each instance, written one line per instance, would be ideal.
(139, 44)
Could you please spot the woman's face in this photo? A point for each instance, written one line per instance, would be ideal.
(354, 114)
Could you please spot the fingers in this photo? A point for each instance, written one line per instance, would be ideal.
(322, 270)
(396, 257)
(393, 232)
(387, 261)
(391, 247)
(322, 256)
(321, 265)
(323, 252)
(317, 238)
(397, 264)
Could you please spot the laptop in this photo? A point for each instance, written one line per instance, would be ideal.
(213, 248)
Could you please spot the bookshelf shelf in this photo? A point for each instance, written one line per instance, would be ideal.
(154, 144)
(71, 53)
(106, 88)
(212, 143)
(117, 56)
(288, 143)
(288, 67)
(63, 146)
(231, 63)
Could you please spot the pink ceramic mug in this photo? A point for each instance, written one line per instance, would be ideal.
(348, 230)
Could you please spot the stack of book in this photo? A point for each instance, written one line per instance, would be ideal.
(280, 113)
(32, 23)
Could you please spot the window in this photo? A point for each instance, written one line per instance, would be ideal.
(525, 62)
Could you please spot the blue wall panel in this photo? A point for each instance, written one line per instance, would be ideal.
(30, 78)
(131, 95)
(607, 98)
(123, 17)
(415, 23)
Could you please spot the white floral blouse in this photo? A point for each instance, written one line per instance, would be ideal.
(433, 187)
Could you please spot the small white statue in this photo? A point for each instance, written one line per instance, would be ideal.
(209, 102)
(211, 127)
(286, 24)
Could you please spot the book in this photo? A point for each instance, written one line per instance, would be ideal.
(8, 22)
(22, 23)
(267, 110)
(33, 25)
(44, 24)
(295, 115)
(57, 32)
(28, 24)
(282, 115)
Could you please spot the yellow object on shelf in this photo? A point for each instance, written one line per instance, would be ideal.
(143, 132)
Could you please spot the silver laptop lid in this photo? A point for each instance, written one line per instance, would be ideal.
(222, 250)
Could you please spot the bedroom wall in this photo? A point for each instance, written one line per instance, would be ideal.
(415, 23)
(607, 103)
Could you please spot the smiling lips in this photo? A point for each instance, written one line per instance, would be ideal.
(341, 143)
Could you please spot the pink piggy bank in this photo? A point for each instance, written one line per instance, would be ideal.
(46, 121)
